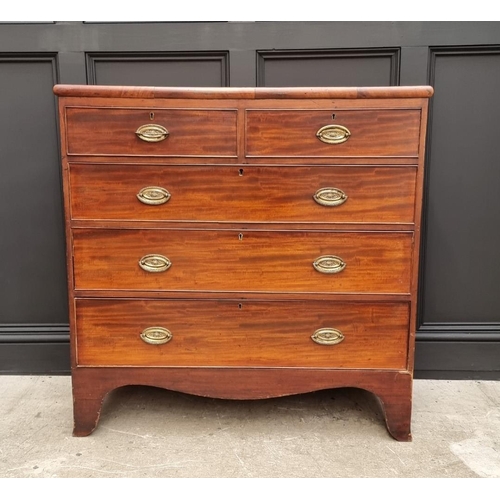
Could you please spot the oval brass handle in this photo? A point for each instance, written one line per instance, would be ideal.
(333, 134)
(154, 263)
(329, 264)
(330, 197)
(152, 132)
(327, 336)
(153, 195)
(156, 335)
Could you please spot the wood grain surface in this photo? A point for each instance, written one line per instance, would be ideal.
(241, 230)
(375, 132)
(110, 131)
(270, 261)
(375, 195)
(248, 333)
(393, 388)
(117, 91)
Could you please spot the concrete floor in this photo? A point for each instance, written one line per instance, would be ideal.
(153, 433)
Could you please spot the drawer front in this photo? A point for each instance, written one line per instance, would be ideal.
(243, 194)
(230, 333)
(354, 133)
(113, 131)
(254, 261)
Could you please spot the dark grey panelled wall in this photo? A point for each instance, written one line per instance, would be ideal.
(459, 314)
(462, 271)
(32, 258)
(337, 68)
(33, 309)
(204, 69)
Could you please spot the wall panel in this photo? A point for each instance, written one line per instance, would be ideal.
(335, 68)
(461, 276)
(458, 332)
(191, 69)
(32, 256)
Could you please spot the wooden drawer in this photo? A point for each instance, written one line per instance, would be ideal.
(254, 261)
(231, 333)
(368, 132)
(112, 131)
(243, 194)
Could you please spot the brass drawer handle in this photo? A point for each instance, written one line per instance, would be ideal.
(330, 197)
(329, 264)
(333, 134)
(152, 132)
(156, 335)
(327, 336)
(153, 195)
(154, 263)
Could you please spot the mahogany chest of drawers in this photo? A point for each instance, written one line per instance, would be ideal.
(243, 243)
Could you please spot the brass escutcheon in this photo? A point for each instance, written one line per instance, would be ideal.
(156, 335)
(154, 263)
(327, 336)
(333, 134)
(329, 264)
(153, 195)
(330, 197)
(152, 132)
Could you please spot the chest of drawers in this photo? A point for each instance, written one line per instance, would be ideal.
(243, 243)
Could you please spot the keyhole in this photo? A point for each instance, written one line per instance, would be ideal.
(240, 236)
(151, 116)
(333, 116)
(240, 306)
(240, 172)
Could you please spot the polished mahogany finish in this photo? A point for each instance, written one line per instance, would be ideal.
(192, 133)
(374, 195)
(128, 92)
(242, 333)
(252, 261)
(243, 243)
(376, 133)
